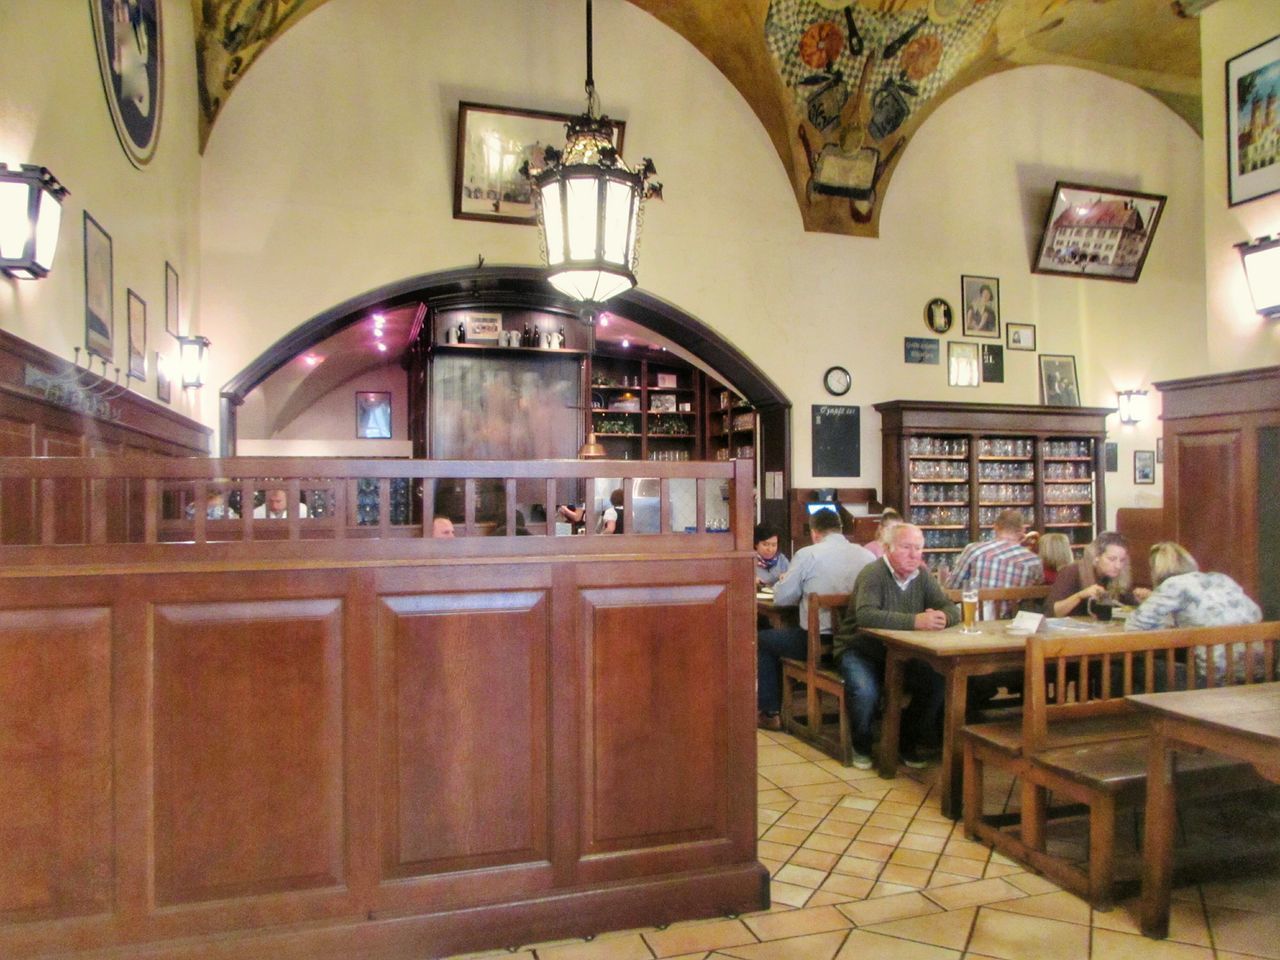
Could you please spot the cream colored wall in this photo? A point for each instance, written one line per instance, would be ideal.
(1238, 337)
(53, 113)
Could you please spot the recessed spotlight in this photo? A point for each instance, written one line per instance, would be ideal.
(625, 343)
(382, 346)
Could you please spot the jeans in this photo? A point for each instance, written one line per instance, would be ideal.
(864, 681)
(771, 646)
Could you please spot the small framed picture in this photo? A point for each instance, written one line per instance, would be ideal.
(1159, 449)
(373, 415)
(1020, 336)
(992, 363)
(980, 298)
(1253, 153)
(483, 327)
(1144, 466)
(1058, 384)
(99, 316)
(662, 403)
(963, 366)
(1111, 456)
(1098, 232)
(171, 300)
(164, 386)
(137, 337)
(937, 315)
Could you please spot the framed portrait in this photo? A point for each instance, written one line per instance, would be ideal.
(937, 315)
(963, 365)
(130, 45)
(1058, 384)
(992, 363)
(1253, 150)
(171, 300)
(980, 300)
(493, 144)
(1097, 232)
(1020, 336)
(164, 386)
(99, 318)
(1144, 466)
(137, 314)
(373, 415)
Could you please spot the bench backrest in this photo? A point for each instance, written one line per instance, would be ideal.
(838, 604)
(1092, 675)
(1003, 595)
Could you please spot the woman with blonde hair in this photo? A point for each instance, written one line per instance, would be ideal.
(1101, 573)
(1055, 553)
(889, 518)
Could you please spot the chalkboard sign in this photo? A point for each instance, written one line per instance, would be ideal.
(836, 441)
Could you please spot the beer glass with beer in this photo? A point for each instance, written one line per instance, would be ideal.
(969, 609)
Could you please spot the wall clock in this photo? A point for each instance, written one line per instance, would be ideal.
(131, 61)
(837, 381)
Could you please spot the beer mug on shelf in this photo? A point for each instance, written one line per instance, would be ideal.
(969, 609)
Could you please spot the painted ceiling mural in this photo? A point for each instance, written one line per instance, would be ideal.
(839, 85)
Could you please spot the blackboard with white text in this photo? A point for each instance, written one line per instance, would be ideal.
(837, 441)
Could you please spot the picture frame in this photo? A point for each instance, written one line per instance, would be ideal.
(1101, 233)
(1059, 385)
(662, 403)
(964, 368)
(1159, 449)
(938, 315)
(992, 363)
(1111, 457)
(164, 386)
(99, 314)
(171, 317)
(980, 301)
(493, 144)
(1253, 162)
(136, 313)
(921, 350)
(1020, 336)
(373, 415)
(131, 65)
(483, 327)
(1144, 466)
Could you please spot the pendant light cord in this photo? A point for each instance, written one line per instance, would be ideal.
(593, 104)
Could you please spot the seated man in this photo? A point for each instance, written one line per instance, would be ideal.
(999, 562)
(442, 528)
(896, 593)
(276, 506)
(830, 565)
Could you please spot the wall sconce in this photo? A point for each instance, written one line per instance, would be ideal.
(1261, 259)
(30, 214)
(191, 360)
(1133, 406)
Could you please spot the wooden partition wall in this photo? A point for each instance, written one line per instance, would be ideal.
(384, 746)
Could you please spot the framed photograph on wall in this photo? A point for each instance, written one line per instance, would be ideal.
(137, 312)
(1098, 232)
(964, 369)
(164, 386)
(1253, 150)
(493, 144)
(1058, 384)
(937, 315)
(1159, 449)
(1144, 466)
(992, 363)
(373, 415)
(1111, 456)
(99, 318)
(171, 300)
(980, 300)
(1020, 336)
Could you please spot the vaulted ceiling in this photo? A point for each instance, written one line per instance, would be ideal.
(840, 85)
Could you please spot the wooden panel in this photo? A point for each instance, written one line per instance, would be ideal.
(465, 676)
(55, 754)
(1211, 514)
(1268, 595)
(17, 497)
(1142, 527)
(248, 757)
(656, 676)
(1237, 392)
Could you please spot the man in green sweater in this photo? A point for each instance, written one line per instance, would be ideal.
(896, 593)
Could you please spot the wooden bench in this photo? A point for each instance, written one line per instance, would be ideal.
(1080, 740)
(818, 679)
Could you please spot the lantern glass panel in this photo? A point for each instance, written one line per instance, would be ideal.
(617, 226)
(47, 230)
(553, 222)
(14, 219)
(582, 197)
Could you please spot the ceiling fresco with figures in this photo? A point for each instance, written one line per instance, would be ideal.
(840, 85)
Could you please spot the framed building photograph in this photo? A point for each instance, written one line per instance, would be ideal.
(1020, 336)
(1144, 466)
(137, 313)
(99, 318)
(493, 144)
(171, 300)
(1253, 147)
(980, 300)
(964, 369)
(1098, 232)
(1058, 384)
(373, 415)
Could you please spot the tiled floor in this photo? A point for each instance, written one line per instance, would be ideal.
(869, 869)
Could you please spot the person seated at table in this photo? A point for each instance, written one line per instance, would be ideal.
(612, 520)
(1055, 553)
(215, 507)
(889, 518)
(770, 564)
(521, 530)
(276, 506)
(1101, 574)
(441, 528)
(999, 562)
(1184, 596)
(894, 593)
(831, 564)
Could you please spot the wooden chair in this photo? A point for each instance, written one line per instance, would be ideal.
(1017, 595)
(819, 680)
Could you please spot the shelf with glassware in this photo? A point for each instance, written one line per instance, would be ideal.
(644, 409)
(731, 425)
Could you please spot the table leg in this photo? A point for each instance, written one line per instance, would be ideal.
(1157, 843)
(951, 776)
(891, 727)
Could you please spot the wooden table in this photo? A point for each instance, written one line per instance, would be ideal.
(1242, 722)
(957, 656)
(773, 615)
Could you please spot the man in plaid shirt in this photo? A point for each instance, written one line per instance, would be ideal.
(1001, 561)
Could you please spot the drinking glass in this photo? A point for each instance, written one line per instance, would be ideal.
(969, 609)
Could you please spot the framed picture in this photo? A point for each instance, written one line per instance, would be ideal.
(130, 42)
(980, 297)
(937, 315)
(1058, 384)
(1098, 232)
(171, 300)
(137, 313)
(920, 350)
(1253, 151)
(963, 367)
(1144, 466)
(484, 327)
(493, 144)
(992, 363)
(164, 386)
(99, 318)
(1159, 449)
(1020, 336)
(373, 415)
(1111, 456)
(662, 403)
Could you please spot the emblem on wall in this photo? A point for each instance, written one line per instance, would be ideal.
(131, 61)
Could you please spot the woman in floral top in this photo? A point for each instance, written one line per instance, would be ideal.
(1185, 597)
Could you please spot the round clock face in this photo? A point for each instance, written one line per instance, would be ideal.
(837, 381)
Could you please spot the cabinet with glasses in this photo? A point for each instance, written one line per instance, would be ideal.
(951, 468)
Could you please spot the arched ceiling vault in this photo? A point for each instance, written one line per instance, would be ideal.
(840, 85)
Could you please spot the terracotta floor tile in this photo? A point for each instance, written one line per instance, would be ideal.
(920, 841)
(850, 887)
(817, 859)
(888, 821)
(967, 849)
(1053, 906)
(966, 868)
(789, 894)
(858, 803)
(885, 889)
(690, 937)
(808, 752)
(773, 795)
(914, 858)
(1030, 883)
(1110, 945)
(802, 876)
(838, 828)
(795, 775)
(1001, 869)
(931, 828)
(975, 894)
(1015, 937)
(798, 821)
(1243, 931)
(880, 835)
(906, 791)
(897, 808)
(811, 809)
(866, 945)
(859, 867)
(823, 898)
(797, 923)
(885, 909)
(850, 814)
(907, 876)
(788, 835)
(1260, 894)
(1187, 921)
(772, 753)
(630, 946)
(821, 841)
(947, 930)
(817, 946)
(773, 866)
(830, 790)
(774, 850)
(764, 815)
(868, 850)
(942, 879)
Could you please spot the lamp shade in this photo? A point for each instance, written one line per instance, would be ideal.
(1133, 405)
(1262, 269)
(30, 215)
(191, 359)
